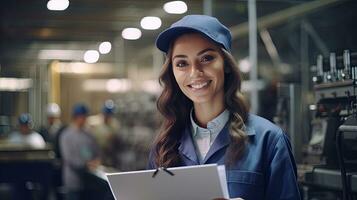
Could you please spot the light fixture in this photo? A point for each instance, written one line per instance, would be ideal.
(175, 7)
(131, 33)
(244, 65)
(57, 5)
(312, 107)
(150, 23)
(60, 54)
(118, 85)
(15, 84)
(91, 56)
(108, 85)
(84, 68)
(105, 47)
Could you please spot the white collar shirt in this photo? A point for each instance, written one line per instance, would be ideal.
(204, 137)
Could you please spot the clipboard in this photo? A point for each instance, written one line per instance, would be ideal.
(199, 182)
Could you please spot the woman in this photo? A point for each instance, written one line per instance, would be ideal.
(206, 119)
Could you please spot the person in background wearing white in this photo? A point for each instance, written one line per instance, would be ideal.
(53, 125)
(25, 135)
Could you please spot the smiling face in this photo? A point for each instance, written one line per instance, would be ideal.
(198, 67)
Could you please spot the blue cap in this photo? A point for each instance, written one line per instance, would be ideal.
(80, 109)
(25, 118)
(207, 25)
(108, 107)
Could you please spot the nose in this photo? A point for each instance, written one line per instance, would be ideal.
(196, 70)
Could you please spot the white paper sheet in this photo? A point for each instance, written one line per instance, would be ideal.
(200, 182)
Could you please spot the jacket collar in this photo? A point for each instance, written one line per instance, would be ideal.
(187, 147)
(221, 141)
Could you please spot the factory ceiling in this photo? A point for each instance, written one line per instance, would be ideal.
(27, 26)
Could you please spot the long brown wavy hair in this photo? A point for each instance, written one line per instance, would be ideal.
(175, 108)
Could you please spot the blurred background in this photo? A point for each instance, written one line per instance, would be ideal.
(297, 59)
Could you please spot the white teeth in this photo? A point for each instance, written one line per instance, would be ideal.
(199, 86)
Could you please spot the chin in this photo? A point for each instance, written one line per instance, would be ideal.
(199, 100)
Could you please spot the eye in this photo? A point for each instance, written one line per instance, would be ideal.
(181, 64)
(207, 58)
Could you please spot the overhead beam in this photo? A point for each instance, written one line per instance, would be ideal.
(283, 16)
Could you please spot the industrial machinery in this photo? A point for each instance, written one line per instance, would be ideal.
(335, 88)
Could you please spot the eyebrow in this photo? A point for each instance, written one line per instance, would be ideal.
(205, 50)
(199, 53)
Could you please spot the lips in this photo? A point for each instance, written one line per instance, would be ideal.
(199, 85)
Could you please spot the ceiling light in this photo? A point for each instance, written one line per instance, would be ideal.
(57, 5)
(244, 65)
(150, 23)
(108, 85)
(84, 68)
(15, 84)
(105, 47)
(175, 7)
(118, 85)
(312, 107)
(91, 56)
(60, 54)
(131, 33)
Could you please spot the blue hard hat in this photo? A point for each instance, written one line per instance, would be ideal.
(207, 25)
(108, 107)
(25, 118)
(80, 109)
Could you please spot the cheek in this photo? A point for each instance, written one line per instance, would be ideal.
(218, 73)
(179, 77)
(219, 80)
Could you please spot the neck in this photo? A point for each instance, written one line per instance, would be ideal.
(207, 112)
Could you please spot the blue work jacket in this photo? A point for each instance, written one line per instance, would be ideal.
(266, 171)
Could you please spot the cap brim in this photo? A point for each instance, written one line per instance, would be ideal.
(166, 37)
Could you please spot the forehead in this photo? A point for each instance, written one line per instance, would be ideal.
(192, 42)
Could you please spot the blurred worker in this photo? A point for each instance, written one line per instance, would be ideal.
(51, 133)
(50, 130)
(54, 127)
(79, 153)
(25, 135)
(106, 131)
